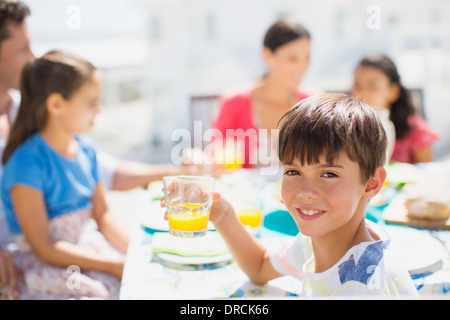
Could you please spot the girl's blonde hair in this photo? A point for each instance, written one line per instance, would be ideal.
(55, 72)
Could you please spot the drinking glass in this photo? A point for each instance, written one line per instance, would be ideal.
(188, 202)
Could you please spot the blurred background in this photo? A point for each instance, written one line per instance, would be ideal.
(156, 54)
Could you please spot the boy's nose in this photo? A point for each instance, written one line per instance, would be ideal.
(307, 192)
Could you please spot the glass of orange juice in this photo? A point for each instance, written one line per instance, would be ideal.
(249, 212)
(188, 202)
(250, 216)
(230, 155)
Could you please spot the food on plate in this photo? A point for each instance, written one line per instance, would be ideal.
(429, 199)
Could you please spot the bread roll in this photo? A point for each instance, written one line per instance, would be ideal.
(429, 199)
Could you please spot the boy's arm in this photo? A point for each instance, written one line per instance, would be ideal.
(249, 254)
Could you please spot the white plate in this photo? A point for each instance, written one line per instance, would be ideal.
(418, 251)
(152, 217)
(192, 263)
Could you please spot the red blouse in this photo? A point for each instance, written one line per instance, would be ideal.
(421, 136)
(235, 112)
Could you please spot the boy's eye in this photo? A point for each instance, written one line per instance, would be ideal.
(329, 175)
(291, 172)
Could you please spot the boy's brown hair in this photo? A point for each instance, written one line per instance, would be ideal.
(329, 124)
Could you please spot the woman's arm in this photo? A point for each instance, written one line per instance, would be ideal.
(423, 155)
(31, 213)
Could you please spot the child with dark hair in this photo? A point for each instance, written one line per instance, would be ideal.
(378, 83)
(332, 148)
(51, 187)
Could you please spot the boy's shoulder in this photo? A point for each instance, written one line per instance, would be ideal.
(374, 267)
(361, 261)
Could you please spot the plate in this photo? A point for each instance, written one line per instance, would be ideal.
(418, 251)
(201, 253)
(281, 221)
(152, 217)
(396, 213)
(192, 263)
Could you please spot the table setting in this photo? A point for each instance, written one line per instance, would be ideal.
(162, 266)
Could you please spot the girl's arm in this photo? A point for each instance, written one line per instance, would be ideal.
(249, 254)
(31, 213)
(424, 155)
(107, 222)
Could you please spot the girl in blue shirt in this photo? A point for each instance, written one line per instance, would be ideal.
(50, 185)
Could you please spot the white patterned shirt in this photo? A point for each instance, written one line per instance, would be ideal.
(367, 269)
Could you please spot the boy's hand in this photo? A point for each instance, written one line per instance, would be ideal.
(221, 210)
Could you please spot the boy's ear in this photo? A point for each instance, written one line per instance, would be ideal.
(375, 183)
(54, 103)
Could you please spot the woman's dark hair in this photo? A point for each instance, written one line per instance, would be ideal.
(402, 108)
(11, 11)
(282, 32)
(55, 72)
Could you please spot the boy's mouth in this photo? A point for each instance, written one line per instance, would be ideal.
(309, 213)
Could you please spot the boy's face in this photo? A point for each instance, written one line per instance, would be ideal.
(324, 198)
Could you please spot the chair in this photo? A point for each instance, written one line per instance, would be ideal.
(417, 99)
(202, 108)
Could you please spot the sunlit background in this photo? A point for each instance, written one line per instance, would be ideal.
(156, 54)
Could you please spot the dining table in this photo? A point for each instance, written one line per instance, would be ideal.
(159, 266)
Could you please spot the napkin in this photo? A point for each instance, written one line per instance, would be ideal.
(209, 245)
(399, 174)
(154, 188)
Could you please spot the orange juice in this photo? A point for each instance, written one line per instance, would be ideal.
(188, 221)
(188, 202)
(183, 217)
(250, 216)
(233, 159)
(233, 164)
(230, 155)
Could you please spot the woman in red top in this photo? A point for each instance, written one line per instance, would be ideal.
(260, 105)
(377, 81)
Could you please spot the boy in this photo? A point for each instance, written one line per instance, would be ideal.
(332, 148)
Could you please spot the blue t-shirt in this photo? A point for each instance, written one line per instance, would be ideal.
(66, 184)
